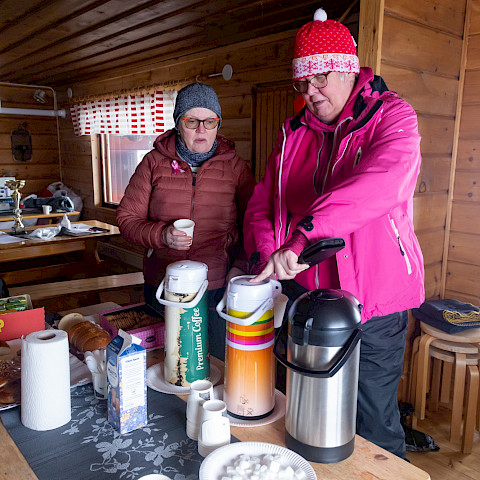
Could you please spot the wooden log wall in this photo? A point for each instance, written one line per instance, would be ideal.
(463, 267)
(44, 167)
(421, 60)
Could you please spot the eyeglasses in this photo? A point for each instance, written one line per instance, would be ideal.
(208, 123)
(318, 81)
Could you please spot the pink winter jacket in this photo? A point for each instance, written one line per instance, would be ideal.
(367, 200)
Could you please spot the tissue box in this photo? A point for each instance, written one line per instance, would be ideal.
(130, 319)
(126, 383)
(14, 324)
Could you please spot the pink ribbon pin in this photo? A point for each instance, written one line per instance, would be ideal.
(176, 167)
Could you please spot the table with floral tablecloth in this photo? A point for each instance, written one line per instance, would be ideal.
(88, 447)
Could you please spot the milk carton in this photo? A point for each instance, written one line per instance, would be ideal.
(126, 385)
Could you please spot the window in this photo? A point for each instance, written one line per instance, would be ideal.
(120, 155)
(123, 129)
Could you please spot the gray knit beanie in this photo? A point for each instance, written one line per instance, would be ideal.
(196, 95)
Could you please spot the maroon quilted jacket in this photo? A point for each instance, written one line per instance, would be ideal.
(158, 194)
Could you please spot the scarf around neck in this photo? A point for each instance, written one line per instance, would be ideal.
(192, 158)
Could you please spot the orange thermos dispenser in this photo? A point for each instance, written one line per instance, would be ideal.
(249, 388)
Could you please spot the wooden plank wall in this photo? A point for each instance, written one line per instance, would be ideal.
(44, 167)
(421, 60)
(463, 267)
(259, 61)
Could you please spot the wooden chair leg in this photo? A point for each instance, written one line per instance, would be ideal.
(471, 412)
(422, 376)
(435, 385)
(458, 395)
(446, 382)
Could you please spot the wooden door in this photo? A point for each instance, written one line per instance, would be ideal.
(273, 104)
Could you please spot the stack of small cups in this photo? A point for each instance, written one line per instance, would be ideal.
(207, 420)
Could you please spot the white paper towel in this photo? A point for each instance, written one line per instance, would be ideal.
(45, 380)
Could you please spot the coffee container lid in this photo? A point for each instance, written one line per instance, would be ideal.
(185, 276)
(246, 296)
(324, 318)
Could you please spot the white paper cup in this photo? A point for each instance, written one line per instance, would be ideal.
(279, 305)
(215, 428)
(99, 381)
(185, 225)
(200, 392)
(47, 209)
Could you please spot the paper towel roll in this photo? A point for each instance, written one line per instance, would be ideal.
(45, 380)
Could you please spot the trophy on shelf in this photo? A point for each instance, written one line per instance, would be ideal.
(16, 185)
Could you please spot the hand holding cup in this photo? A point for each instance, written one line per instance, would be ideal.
(179, 236)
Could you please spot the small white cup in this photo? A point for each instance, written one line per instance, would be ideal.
(200, 392)
(47, 209)
(279, 305)
(215, 428)
(99, 380)
(185, 225)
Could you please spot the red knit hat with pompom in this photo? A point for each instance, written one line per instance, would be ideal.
(324, 46)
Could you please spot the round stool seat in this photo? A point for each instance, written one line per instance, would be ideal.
(446, 356)
(470, 335)
(455, 347)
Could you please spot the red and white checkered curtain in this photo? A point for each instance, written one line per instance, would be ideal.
(146, 113)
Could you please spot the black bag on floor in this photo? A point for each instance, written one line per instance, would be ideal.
(415, 441)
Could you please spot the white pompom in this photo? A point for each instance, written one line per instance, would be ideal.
(320, 15)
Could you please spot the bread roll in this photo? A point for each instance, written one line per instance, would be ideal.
(87, 336)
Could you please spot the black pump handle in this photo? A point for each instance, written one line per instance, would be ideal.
(345, 353)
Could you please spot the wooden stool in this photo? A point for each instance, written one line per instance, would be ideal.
(442, 357)
(454, 349)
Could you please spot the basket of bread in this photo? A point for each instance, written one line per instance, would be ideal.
(83, 335)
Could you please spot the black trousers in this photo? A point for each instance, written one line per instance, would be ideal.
(216, 325)
(382, 351)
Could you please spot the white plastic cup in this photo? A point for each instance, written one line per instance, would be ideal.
(47, 209)
(185, 225)
(200, 392)
(99, 380)
(279, 305)
(215, 428)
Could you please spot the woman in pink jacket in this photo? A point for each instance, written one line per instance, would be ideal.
(346, 166)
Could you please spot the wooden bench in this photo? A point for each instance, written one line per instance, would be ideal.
(42, 293)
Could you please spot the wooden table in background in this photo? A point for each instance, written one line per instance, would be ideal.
(14, 257)
(367, 462)
(32, 213)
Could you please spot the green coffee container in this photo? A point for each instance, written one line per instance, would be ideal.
(186, 322)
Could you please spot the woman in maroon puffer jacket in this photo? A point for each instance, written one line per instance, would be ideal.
(192, 173)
